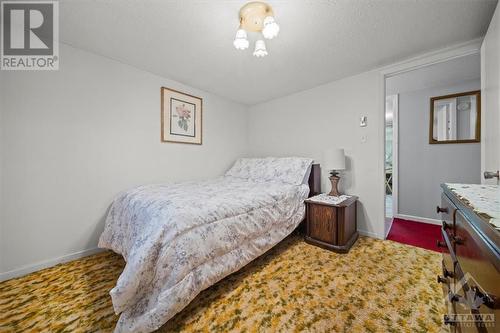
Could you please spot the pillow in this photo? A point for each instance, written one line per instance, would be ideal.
(305, 181)
(289, 170)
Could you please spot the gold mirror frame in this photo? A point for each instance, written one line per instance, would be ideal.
(478, 120)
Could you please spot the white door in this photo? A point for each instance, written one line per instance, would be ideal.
(445, 117)
(490, 100)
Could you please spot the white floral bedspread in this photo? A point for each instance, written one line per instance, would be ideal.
(180, 239)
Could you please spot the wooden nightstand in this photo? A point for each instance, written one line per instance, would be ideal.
(331, 226)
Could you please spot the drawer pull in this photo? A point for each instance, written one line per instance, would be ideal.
(490, 301)
(441, 279)
(440, 243)
(448, 321)
(454, 298)
(447, 273)
(441, 210)
(458, 240)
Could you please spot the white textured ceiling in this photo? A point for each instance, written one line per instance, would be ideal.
(319, 41)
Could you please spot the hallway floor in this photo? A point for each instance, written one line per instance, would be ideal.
(418, 234)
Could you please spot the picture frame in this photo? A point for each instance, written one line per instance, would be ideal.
(455, 118)
(181, 117)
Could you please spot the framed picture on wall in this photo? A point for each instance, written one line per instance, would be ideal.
(181, 117)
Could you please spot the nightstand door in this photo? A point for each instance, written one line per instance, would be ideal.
(323, 223)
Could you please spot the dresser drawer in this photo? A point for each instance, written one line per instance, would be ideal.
(487, 309)
(447, 211)
(476, 257)
(448, 264)
(479, 269)
(466, 321)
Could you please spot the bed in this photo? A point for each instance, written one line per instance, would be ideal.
(179, 239)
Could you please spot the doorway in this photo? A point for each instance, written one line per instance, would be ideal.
(391, 158)
(414, 167)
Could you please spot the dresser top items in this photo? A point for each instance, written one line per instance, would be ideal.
(484, 200)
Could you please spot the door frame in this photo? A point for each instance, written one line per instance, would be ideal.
(395, 152)
(431, 58)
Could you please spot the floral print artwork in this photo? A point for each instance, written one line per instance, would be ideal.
(181, 117)
(184, 116)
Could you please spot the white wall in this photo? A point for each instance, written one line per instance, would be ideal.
(311, 121)
(490, 98)
(423, 166)
(72, 139)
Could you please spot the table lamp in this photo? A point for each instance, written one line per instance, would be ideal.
(334, 160)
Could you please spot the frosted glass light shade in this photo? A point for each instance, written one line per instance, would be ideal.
(241, 41)
(270, 28)
(260, 49)
(334, 159)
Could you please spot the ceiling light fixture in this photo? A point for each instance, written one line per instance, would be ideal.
(241, 41)
(271, 28)
(256, 17)
(260, 49)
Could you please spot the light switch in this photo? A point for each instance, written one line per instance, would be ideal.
(363, 121)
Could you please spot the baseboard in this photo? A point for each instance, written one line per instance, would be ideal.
(370, 234)
(418, 219)
(47, 263)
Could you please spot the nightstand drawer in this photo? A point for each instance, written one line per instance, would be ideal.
(323, 223)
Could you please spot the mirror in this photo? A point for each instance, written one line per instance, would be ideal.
(456, 118)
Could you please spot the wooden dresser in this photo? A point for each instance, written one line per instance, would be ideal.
(471, 257)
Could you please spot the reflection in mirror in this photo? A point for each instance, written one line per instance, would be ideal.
(455, 118)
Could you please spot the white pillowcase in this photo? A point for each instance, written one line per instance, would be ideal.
(289, 170)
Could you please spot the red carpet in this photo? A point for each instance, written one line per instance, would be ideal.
(418, 234)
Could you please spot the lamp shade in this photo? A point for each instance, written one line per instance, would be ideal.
(260, 49)
(334, 159)
(241, 41)
(271, 28)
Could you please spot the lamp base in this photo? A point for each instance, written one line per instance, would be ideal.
(335, 181)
